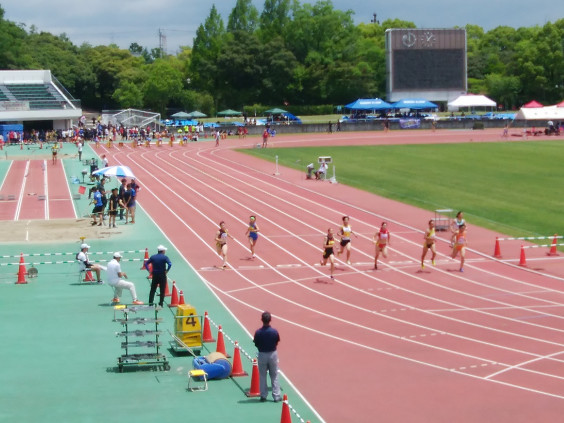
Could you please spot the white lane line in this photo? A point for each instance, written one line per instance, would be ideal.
(22, 190)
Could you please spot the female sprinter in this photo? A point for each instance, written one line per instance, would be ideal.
(221, 242)
(328, 253)
(252, 234)
(429, 243)
(382, 240)
(346, 232)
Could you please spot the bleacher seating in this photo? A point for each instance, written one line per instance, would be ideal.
(39, 96)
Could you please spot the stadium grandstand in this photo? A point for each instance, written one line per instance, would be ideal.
(35, 98)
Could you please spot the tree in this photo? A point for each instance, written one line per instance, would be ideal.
(207, 46)
(274, 19)
(243, 17)
(12, 38)
(163, 84)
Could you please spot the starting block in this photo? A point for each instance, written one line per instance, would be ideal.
(198, 375)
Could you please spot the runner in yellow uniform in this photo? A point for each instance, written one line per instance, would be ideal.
(429, 243)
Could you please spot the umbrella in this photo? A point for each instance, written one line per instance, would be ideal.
(181, 115)
(197, 114)
(276, 111)
(229, 112)
(117, 171)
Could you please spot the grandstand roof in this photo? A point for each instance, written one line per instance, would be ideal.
(31, 95)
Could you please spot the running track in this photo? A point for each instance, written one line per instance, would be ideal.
(39, 190)
(393, 345)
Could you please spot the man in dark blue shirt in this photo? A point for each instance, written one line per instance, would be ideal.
(161, 265)
(266, 340)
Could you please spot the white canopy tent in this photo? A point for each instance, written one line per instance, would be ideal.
(541, 113)
(471, 101)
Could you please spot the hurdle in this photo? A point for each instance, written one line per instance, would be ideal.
(552, 252)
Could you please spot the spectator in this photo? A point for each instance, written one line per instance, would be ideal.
(322, 171)
(121, 194)
(266, 340)
(86, 264)
(115, 280)
(113, 207)
(161, 265)
(98, 209)
(265, 136)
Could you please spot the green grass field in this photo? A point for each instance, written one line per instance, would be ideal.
(512, 187)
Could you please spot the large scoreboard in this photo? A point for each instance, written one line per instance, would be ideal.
(428, 63)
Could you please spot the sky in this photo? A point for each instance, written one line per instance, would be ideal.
(123, 22)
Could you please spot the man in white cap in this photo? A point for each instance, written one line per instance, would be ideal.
(160, 266)
(115, 280)
(86, 264)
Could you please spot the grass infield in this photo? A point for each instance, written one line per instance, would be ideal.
(511, 187)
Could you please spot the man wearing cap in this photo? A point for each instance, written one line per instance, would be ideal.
(266, 339)
(115, 280)
(85, 264)
(161, 265)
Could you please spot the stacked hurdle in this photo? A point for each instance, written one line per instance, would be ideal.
(522, 260)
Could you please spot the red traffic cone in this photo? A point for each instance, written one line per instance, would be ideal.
(497, 251)
(181, 298)
(237, 369)
(553, 251)
(150, 270)
(88, 276)
(523, 259)
(286, 417)
(145, 259)
(167, 292)
(22, 271)
(207, 335)
(174, 298)
(255, 381)
(220, 346)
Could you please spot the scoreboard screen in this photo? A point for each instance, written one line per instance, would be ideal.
(419, 60)
(428, 69)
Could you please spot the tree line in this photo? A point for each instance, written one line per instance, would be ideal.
(305, 57)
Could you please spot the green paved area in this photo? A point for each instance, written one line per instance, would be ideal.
(59, 346)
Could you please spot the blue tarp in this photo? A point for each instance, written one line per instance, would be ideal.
(414, 104)
(369, 104)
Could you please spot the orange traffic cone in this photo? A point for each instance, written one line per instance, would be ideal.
(237, 365)
(145, 259)
(523, 259)
(255, 382)
(22, 271)
(181, 298)
(174, 298)
(150, 270)
(286, 417)
(552, 251)
(88, 276)
(220, 346)
(497, 251)
(167, 292)
(207, 335)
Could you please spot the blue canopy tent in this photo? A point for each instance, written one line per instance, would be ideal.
(414, 104)
(369, 104)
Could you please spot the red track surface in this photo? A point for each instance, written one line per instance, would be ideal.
(394, 345)
(40, 191)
